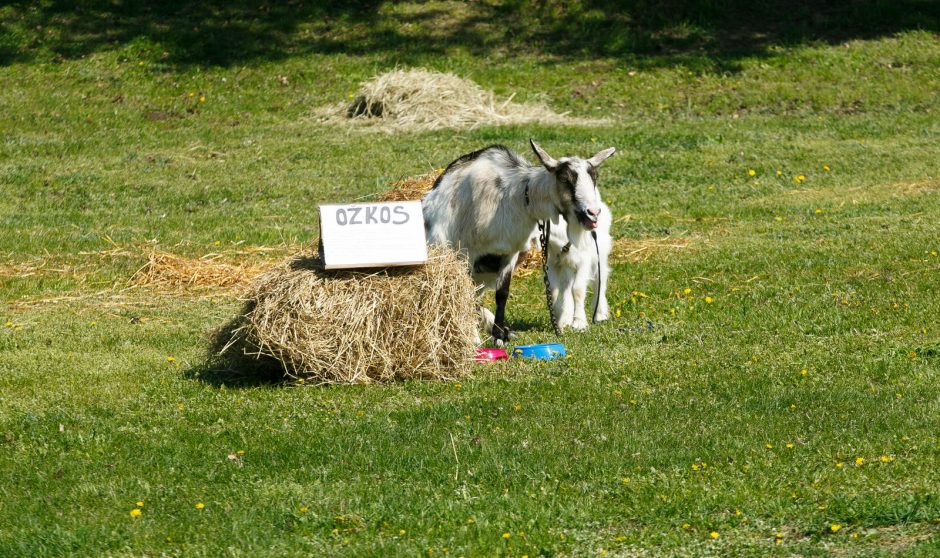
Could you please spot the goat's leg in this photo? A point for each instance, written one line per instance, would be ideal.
(501, 331)
(578, 291)
(599, 305)
(560, 279)
(486, 323)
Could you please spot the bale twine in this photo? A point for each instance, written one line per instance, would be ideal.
(354, 326)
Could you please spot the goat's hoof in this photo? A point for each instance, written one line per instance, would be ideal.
(602, 316)
(579, 324)
(502, 333)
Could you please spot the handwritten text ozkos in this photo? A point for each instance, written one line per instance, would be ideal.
(371, 215)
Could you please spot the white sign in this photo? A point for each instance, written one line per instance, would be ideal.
(373, 234)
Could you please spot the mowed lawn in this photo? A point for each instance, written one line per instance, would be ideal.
(769, 386)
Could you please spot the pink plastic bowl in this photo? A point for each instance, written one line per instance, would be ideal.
(485, 354)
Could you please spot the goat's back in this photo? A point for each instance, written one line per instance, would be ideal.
(472, 205)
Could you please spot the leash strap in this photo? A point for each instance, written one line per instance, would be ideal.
(545, 232)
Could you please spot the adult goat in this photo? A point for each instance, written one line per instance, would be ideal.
(487, 204)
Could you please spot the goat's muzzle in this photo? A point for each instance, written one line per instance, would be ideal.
(588, 218)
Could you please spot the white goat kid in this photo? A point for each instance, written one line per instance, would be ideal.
(487, 203)
(575, 262)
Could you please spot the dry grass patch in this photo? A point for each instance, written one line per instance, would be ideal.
(423, 100)
(221, 273)
(870, 193)
(628, 250)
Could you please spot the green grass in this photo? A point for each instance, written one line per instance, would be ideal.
(105, 154)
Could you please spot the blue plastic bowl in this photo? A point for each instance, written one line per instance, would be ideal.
(541, 351)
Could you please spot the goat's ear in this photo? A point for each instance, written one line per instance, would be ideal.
(547, 160)
(601, 157)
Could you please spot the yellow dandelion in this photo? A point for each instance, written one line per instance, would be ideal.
(140, 503)
(402, 532)
(202, 98)
(507, 535)
(825, 168)
(685, 525)
(769, 446)
(303, 509)
(625, 480)
(886, 459)
(779, 173)
(859, 461)
(470, 521)
(835, 527)
(751, 172)
(709, 300)
(616, 313)
(799, 178)
(839, 465)
(686, 290)
(171, 359)
(695, 467)
(135, 513)
(789, 446)
(737, 512)
(804, 372)
(714, 534)
(9, 324)
(200, 506)
(818, 211)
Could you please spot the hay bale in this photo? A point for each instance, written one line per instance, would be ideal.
(420, 99)
(352, 326)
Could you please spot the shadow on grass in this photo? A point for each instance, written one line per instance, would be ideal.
(700, 34)
(229, 364)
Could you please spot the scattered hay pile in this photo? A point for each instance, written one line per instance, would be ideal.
(627, 250)
(361, 327)
(411, 188)
(419, 99)
(167, 271)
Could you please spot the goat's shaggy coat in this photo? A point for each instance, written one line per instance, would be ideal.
(574, 261)
(487, 203)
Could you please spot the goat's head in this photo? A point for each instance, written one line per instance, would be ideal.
(576, 184)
